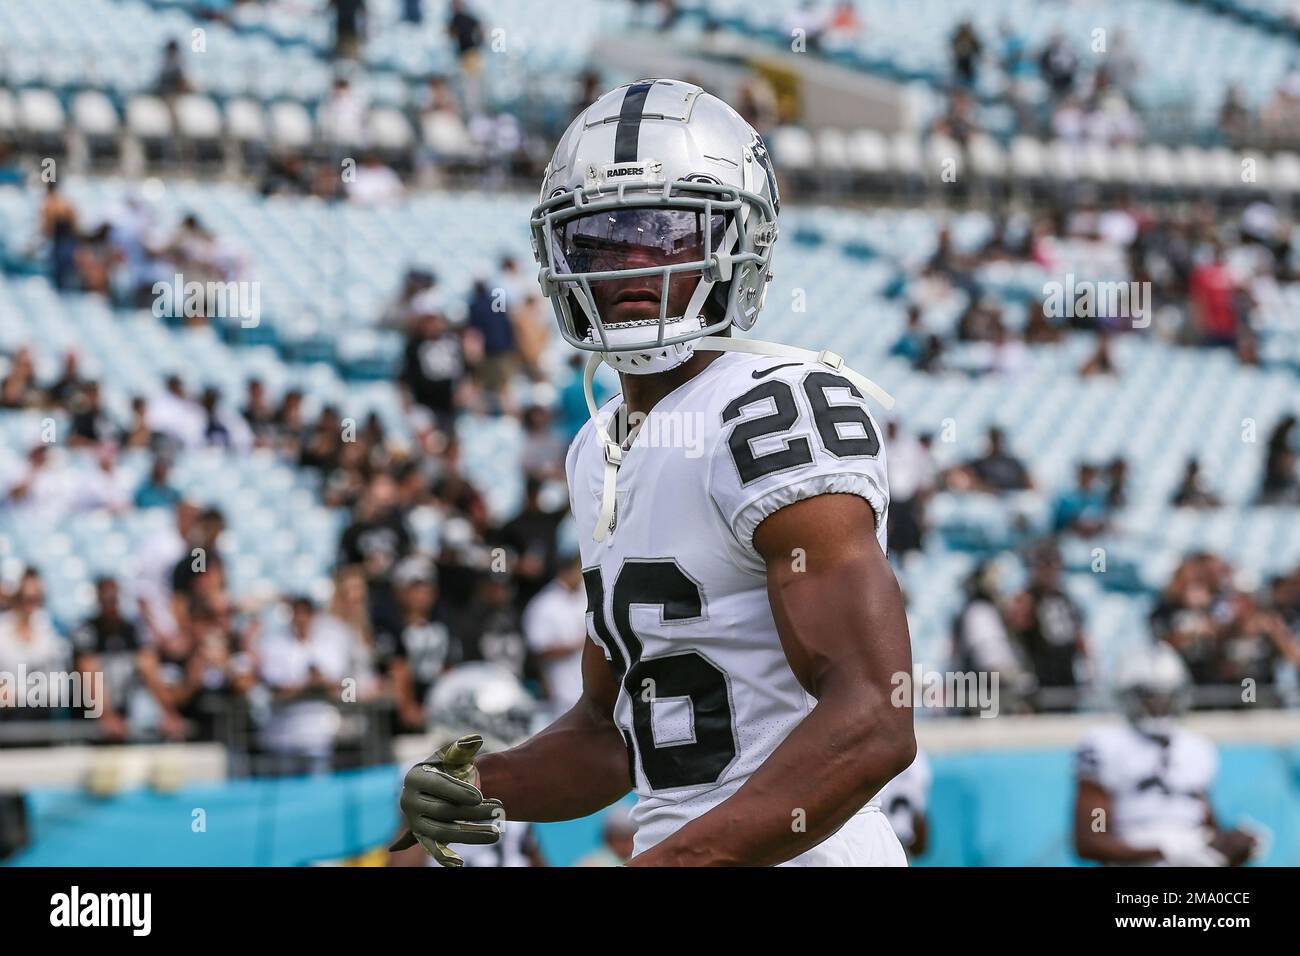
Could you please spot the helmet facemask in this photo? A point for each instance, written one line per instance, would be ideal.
(639, 272)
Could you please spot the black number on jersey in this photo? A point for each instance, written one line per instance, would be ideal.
(797, 452)
(687, 675)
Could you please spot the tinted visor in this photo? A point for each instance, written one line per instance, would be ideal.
(636, 238)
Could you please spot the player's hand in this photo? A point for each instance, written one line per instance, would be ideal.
(1236, 845)
(442, 803)
(1189, 848)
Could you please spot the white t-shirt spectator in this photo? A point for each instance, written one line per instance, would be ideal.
(911, 468)
(557, 618)
(45, 651)
(305, 727)
(375, 186)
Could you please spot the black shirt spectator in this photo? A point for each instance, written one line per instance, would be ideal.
(464, 29)
(999, 470)
(432, 366)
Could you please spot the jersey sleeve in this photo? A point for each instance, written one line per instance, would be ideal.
(801, 431)
(1092, 761)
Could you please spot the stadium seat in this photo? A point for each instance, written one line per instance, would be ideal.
(290, 126)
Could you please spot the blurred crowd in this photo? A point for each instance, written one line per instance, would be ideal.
(1203, 276)
(186, 658)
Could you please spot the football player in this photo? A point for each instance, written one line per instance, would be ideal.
(1143, 786)
(744, 621)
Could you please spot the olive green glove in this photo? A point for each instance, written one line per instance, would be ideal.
(441, 800)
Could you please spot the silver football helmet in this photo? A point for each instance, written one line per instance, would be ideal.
(482, 698)
(1154, 687)
(655, 224)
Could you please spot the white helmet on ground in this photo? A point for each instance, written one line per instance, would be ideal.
(660, 181)
(483, 698)
(1154, 686)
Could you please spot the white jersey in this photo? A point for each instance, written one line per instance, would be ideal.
(1154, 784)
(676, 592)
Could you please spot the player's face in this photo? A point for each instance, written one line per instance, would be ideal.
(622, 239)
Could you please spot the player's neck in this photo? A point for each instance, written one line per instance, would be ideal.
(641, 393)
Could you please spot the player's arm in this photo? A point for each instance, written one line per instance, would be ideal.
(840, 616)
(1093, 839)
(576, 766)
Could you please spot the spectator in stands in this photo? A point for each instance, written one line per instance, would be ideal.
(490, 627)
(59, 228)
(1192, 491)
(378, 536)
(223, 428)
(1198, 596)
(489, 319)
(910, 344)
(37, 487)
(756, 101)
(29, 643)
(417, 296)
(845, 23)
(1281, 483)
(982, 642)
(466, 32)
(172, 78)
(806, 23)
(966, 49)
(374, 184)
(530, 317)
(912, 477)
(89, 424)
(997, 471)
(1254, 642)
(342, 119)
(1058, 64)
(69, 382)
(349, 20)
(109, 643)
(1234, 115)
(304, 665)
(412, 639)
(1015, 58)
(175, 416)
(544, 449)
(1082, 509)
(258, 413)
(555, 625)
(350, 607)
(1212, 291)
(96, 258)
(1116, 473)
(102, 487)
(137, 434)
(18, 388)
(434, 364)
(1048, 625)
(157, 491)
(530, 540)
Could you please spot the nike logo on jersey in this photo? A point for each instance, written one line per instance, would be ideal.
(757, 373)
